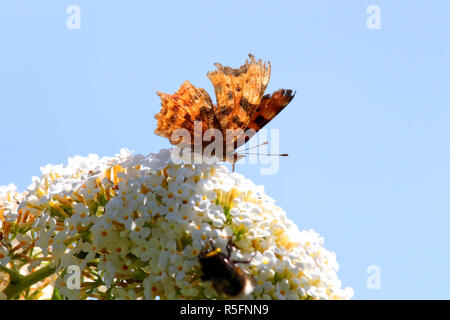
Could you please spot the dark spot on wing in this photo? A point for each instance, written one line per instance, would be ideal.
(235, 72)
(260, 121)
(237, 122)
(247, 106)
(204, 112)
(224, 111)
(187, 124)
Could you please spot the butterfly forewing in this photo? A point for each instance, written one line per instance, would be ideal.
(239, 92)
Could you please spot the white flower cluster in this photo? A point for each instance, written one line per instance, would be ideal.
(9, 203)
(135, 226)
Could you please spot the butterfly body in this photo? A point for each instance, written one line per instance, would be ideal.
(241, 109)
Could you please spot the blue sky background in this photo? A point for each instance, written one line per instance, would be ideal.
(368, 132)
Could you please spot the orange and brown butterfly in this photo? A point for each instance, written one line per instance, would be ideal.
(241, 106)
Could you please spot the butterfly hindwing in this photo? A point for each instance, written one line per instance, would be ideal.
(182, 109)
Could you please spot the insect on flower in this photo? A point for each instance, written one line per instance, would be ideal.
(241, 110)
(226, 276)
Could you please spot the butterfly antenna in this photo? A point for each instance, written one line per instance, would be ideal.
(266, 154)
(246, 153)
(257, 146)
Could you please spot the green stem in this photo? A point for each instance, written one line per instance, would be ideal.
(18, 283)
(14, 276)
